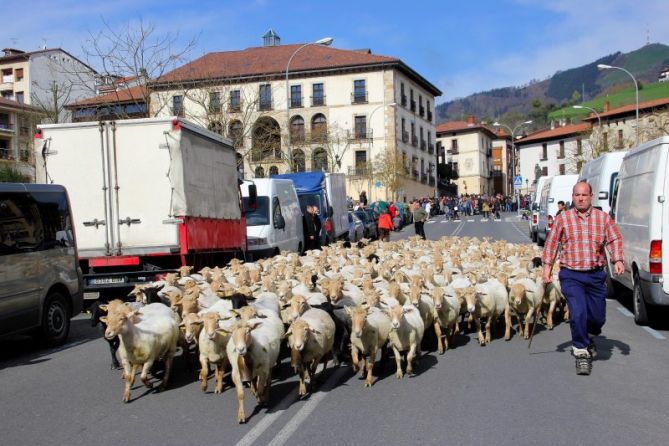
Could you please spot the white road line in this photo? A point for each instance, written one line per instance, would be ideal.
(294, 423)
(444, 221)
(458, 229)
(471, 220)
(430, 222)
(520, 232)
(625, 312)
(656, 334)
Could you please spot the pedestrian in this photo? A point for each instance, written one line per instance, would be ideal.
(385, 225)
(485, 208)
(312, 229)
(363, 198)
(560, 207)
(419, 217)
(584, 233)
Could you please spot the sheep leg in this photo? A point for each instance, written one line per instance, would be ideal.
(204, 373)
(410, 357)
(488, 329)
(129, 377)
(528, 321)
(266, 384)
(370, 368)
(168, 372)
(354, 358)
(398, 362)
(551, 310)
(219, 371)
(507, 321)
(520, 324)
(302, 390)
(145, 374)
(477, 327)
(437, 332)
(113, 347)
(239, 387)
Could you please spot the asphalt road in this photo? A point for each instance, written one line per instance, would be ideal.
(502, 394)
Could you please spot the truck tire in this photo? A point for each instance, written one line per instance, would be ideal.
(534, 236)
(638, 303)
(540, 242)
(55, 320)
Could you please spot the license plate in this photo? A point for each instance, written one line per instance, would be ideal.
(106, 280)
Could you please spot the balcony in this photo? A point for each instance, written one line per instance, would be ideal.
(414, 140)
(6, 127)
(413, 106)
(318, 101)
(318, 137)
(6, 154)
(415, 174)
(264, 105)
(359, 171)
(543, 158)
(453, 151)
(296, 102)
(423, 145)
(359, 135)
(430, 149)
(429, 115)
(404, 100)
(359, 97)
(405, 136)
(421, 111)
(235, 108)
(178, 111)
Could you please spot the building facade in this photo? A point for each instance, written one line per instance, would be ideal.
(47, 79)
(479, 154)
(343, 111)
(17, 129)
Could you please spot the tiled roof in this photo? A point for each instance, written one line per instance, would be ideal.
(548, 134)
(272, 60)
(17, 105)
(629, 109)
(133, 94)
(26, 56)
(463, 126)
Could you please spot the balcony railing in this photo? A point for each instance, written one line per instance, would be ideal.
(421, 111)
(423, 179)
(404, 100)
(6, 126)
(453, 151)
(429, 115)
(360, 135)
(430, 149)
(178, 111)
(264, 105)
(405, 136)
(296, 102)
(318, 137)
(359, 97)
(234, 108)
(414, 141)
(423, 145)
(360, 171)
(413, 106)
(6, 154)
(317, 101)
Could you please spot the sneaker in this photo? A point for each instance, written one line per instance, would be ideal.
(592, 348)
(583, 362)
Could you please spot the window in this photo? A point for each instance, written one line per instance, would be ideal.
(276, 211)
(544, 171)
(235, 133)
(214, 102)
(295, 96)
(273, 170)
(403, 96)
(544, 152)
(421, 109)
(620, 135)
(265, 97)
(216, 127)
(359, 91)
(318, 97)
(405, 134)
(360, 127)
(178, 105)
(561, 150)
(561, 169)
(297, 129)
(6, 75)
(319, 128)
(259, 173)
(299, 161)
(411, 100)
(360, 162)
(18, 74)
(235, 100)
(319, 160)
(20, 97)
(454, 146)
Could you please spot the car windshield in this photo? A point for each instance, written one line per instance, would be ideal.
(258, 216)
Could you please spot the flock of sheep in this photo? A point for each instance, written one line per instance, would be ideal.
(338, 303)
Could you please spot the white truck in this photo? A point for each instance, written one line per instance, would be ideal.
(601, 174)
(147, 196)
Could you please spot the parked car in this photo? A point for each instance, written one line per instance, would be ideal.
(356, 228)
(534, 220)
(41, 281)
(601, 174)
(641, 213)
(370, 220)
(557, 188)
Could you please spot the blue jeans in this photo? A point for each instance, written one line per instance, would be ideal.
(586, 297)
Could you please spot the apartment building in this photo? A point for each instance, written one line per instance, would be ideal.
(480, 155)
(37, 77)
(17, 129)
(340, 111)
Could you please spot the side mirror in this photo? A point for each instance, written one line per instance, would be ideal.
(279, 222)
(330, 212)
(253, 196)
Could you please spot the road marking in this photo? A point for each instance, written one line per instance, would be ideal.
(471, 220)
(656, 334)
(430, 222)
(458, 229)
(519, 231)
(625, 312)
(444, 221)
(294, 423)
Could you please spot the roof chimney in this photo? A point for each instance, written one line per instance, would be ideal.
(271, 38)
(471, 120)
(607, 106)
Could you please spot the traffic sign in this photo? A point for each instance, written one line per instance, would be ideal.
(518, 182)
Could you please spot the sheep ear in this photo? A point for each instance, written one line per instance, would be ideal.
(234, 313)
(103, 319)
(261, 316)
(104, 307)
(288, 332)
(348, 310)
(182, 324)
(406, 310)
(223, 331)
(313, 330)
(254, 325)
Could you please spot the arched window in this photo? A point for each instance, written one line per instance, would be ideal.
(273, 170)
(297, 129)
(235, 133)
(266, 139)
(299, 164)
(260, 172)
(319, 160)
(319, 128)
(216, 126)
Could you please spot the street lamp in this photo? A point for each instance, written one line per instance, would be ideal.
(513, 149)
(602, 66)
(599, 118)
(326, 41)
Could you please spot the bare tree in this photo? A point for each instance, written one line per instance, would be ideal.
(390, 170)
(51, 97)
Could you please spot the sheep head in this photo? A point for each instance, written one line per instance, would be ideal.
(358, 319)
(241, 336)
(298, 334)
(517, 294)
(117, 322)
(396, 315)
(298, 305)
(184, 270)
(437, 295)
(191, 325)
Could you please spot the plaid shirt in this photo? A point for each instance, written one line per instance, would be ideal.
(583, 239)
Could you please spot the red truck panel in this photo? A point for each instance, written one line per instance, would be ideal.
(210, 234)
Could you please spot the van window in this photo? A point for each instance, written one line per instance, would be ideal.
(258, 216)
(310, 200)
(276, 210)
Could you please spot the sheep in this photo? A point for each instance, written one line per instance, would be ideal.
(212, 342)
(98, 309)
(252, 351)
(144, 337)
(525, 298)
(310, 337)
(406, 335)
(552, 298)
(370, 329)
(492, 300)
(447, 310)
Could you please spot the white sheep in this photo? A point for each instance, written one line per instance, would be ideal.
(370, 328)
(406, 335)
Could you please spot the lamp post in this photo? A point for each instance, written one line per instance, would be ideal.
(326, 41)
(602, 66)
(581, 107)
(513, 151)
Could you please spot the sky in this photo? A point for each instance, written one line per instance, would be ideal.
(462, 47)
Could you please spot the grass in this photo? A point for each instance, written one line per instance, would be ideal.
(649, 92)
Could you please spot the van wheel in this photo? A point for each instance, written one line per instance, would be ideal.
(534, 236)
(55, 320)
(300, 248)
(640, 309)
(540, 242)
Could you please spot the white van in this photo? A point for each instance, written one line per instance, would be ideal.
(274, 224)
(643, 219)
(557, 188)
(535, 207)
(601, 174)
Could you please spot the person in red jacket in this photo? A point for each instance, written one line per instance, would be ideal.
(385, 225)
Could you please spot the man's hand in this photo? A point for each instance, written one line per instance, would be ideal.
(547, 276)
(619, 268)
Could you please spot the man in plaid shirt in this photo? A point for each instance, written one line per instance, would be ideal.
(584, 233)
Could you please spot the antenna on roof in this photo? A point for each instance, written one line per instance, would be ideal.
(43, 43)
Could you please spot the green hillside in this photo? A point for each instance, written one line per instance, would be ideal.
(648, 92)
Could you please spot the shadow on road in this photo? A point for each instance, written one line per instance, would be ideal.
(605, 347)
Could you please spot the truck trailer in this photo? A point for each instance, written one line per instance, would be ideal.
(147, 196)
